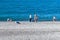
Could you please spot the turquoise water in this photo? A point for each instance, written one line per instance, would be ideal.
(20, 9)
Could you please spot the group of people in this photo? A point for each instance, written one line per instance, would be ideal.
(35, 18)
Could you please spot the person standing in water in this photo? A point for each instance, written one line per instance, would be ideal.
(30, 17)
(35, 18)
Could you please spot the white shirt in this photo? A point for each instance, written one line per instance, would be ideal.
(54, 17)
(30, 16)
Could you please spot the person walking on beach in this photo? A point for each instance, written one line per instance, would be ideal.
(35, 18)
(54, 18)
(30, 17)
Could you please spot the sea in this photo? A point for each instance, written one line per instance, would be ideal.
(19, 10)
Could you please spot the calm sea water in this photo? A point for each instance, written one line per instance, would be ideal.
(20, 9)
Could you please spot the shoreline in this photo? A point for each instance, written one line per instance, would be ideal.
(30, 31)
(42, 26)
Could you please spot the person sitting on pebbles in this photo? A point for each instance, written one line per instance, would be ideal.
(9, 19)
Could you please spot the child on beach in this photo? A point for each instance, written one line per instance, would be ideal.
(30, 17)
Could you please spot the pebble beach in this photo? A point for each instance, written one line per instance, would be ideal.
(30, 31)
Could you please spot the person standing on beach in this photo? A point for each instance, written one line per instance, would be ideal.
(35, 18)
(54, 18)
(30, 17)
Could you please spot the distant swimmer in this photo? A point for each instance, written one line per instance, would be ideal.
(54, 18)
(35, 18)
(30, 17)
